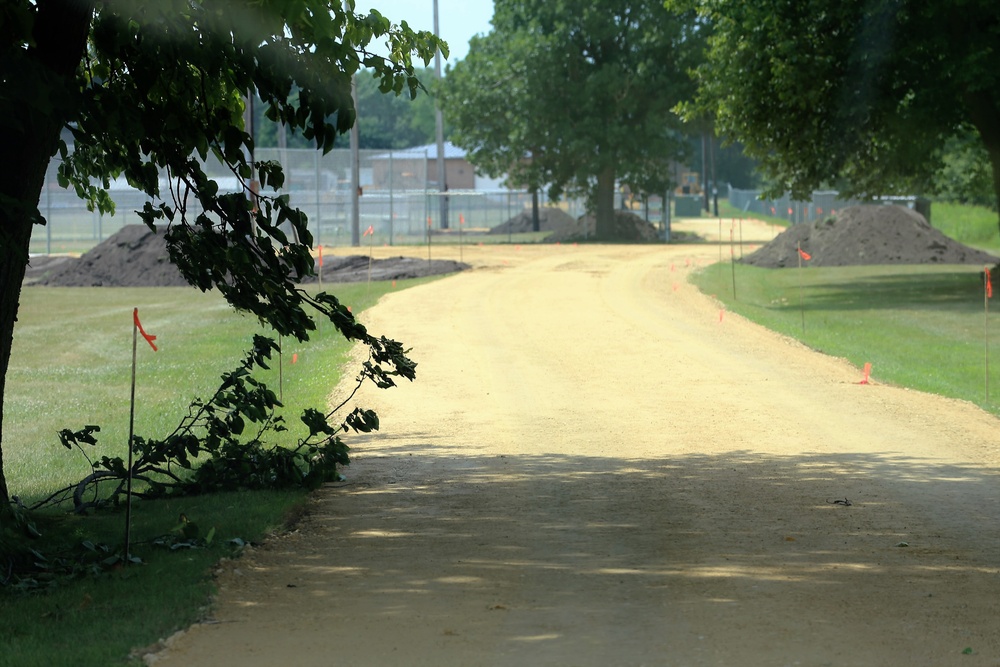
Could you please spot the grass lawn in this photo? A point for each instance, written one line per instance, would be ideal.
(71, 366)
(972, 225)
(923, 327)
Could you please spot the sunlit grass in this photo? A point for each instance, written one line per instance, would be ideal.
(71, 366)
(923, 327)
(972, 225)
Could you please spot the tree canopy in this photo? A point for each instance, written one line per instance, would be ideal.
(874, 95)
(576, 96)
(390, 121)
(385, 121)
(148, 87)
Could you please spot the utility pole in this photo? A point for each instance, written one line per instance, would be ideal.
(355, 172)
(704, 171)
(715, 186)
(355, 166)
(439, 132)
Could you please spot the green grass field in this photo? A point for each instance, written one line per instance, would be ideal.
(72, 358)
(923, 327)
(972, 225)
(71, 366)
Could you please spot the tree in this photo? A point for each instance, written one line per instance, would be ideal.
(151, 85)
(965, 175)
(385, 121)
(863, 92)
(389, 121)
(576, 96)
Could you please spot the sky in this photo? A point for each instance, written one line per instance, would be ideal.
(458, 20)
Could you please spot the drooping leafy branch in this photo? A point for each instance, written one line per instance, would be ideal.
(221, 445)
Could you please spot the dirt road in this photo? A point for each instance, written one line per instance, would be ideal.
(597, 467)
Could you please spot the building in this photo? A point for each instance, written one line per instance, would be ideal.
(416, 168)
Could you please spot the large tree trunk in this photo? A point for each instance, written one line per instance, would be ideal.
(14, 239)
(604, 214)
(60, 36)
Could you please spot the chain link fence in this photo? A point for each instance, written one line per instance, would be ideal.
(822, 204)
(396, 201)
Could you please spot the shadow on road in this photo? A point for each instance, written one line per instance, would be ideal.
(555, 553)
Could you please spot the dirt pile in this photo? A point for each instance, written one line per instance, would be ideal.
(627, 226)
(137, 257)
(549, 219)
(354, 268)
(864, 235)
(134, 256)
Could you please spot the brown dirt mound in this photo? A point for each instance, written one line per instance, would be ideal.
(354, 268)
(627, 227)
(865, 235)
(137, 257)
(549, 219)
(134, 256)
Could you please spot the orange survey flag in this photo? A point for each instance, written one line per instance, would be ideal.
(138, 324)
(806, 256)
(370, 230)
(989, 284)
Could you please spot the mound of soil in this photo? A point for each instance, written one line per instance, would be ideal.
(354, 268)
(137, 257)
(627, 226)
(864, 235)
(549, 219)
(134, 256)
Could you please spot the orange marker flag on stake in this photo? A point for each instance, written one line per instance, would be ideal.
(867, 372)
(138, 325)
(803, 255)
(369, 231)
(320, 249)
(989, 283)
